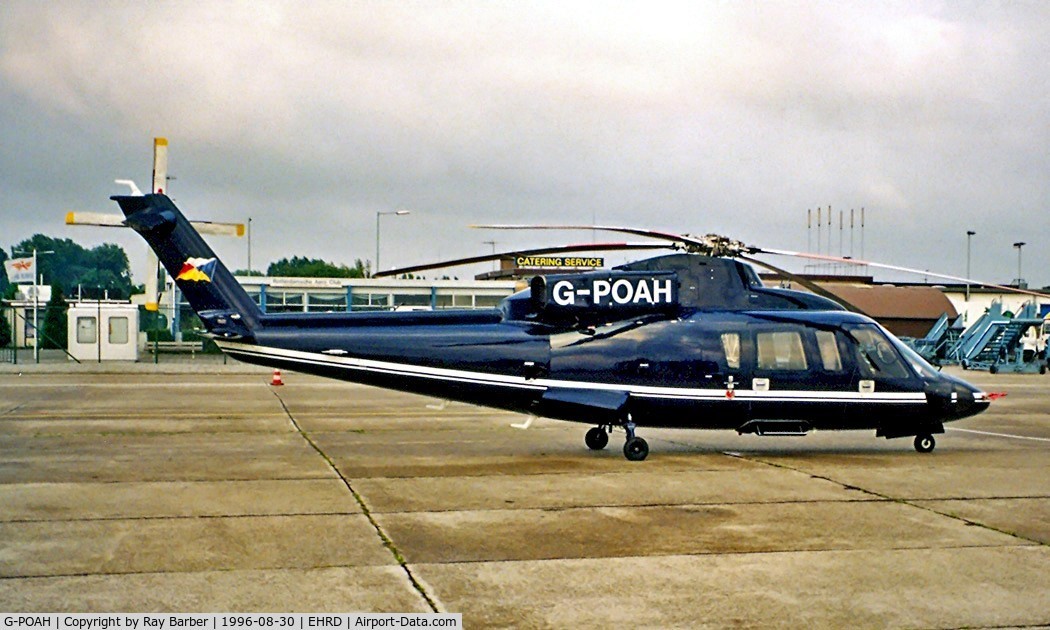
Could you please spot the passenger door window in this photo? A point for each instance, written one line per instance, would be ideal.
(828, 346)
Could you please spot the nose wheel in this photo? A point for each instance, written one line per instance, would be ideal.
(924, 443)
(635, 449)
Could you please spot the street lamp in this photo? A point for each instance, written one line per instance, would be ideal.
(493, 243)
(969, 235)
(1020, 280)
(397, 213)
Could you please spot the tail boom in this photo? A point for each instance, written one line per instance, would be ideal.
(225, 309)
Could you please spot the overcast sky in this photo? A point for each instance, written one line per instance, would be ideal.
(690, 117)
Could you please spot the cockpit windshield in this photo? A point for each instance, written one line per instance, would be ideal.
(877, 356)
(919, 364)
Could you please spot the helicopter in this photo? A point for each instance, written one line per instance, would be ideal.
(690, 339)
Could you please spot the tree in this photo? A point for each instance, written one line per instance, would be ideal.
(303, 267)
(56, 331)
(103, 268)
(3, 271)
(5, 330)
(7, 292)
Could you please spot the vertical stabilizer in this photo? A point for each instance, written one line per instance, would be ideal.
(224, 307)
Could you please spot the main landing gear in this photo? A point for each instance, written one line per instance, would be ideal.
(635, 448)
(924, 443)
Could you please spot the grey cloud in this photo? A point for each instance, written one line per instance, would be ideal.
(696, 117)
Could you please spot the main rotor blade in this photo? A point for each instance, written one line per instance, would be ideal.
(809, 284)
(583, 247)
(708, 245)
(854, 261)
(666, 236)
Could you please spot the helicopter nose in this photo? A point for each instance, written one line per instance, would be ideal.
(966, 400)
(954, 399)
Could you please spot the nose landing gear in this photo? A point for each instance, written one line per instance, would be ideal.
(635, 449)
(924, 443)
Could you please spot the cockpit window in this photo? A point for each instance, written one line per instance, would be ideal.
(876, 355)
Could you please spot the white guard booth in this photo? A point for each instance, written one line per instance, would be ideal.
(104, 331)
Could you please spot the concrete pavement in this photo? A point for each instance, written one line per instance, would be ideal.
(203, 489)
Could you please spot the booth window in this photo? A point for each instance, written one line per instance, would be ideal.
(86, 327)
(118, 330)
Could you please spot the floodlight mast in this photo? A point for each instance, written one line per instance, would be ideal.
(397, 213)
(1020, 279)
(969, 236)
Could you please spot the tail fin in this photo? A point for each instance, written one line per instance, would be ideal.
(224, 307)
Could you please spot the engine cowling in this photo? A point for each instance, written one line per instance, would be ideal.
(604, 295)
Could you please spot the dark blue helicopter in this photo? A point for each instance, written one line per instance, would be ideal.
(685, 340)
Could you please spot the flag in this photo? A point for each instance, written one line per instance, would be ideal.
(197, 270)
(20, 271)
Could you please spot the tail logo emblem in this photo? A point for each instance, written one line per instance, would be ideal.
(197, 270)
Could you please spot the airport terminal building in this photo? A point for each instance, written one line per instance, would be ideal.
(318, 295)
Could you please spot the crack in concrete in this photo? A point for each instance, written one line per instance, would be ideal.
(909, 502)
(383, 537)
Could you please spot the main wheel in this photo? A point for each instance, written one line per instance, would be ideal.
(636, 449)
(924, 443)
(596, 439)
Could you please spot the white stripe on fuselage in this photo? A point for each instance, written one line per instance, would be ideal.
(540, 384)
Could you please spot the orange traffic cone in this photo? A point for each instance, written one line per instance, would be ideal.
(276, 378)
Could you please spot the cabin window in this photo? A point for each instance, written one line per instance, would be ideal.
(86, 327)
(731, 347)
(829, 351)
(780, 351)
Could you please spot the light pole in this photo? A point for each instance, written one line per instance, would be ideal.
(249, 246)
(1019, 245)
(969, 235)
(493, 243)
(397, 213)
